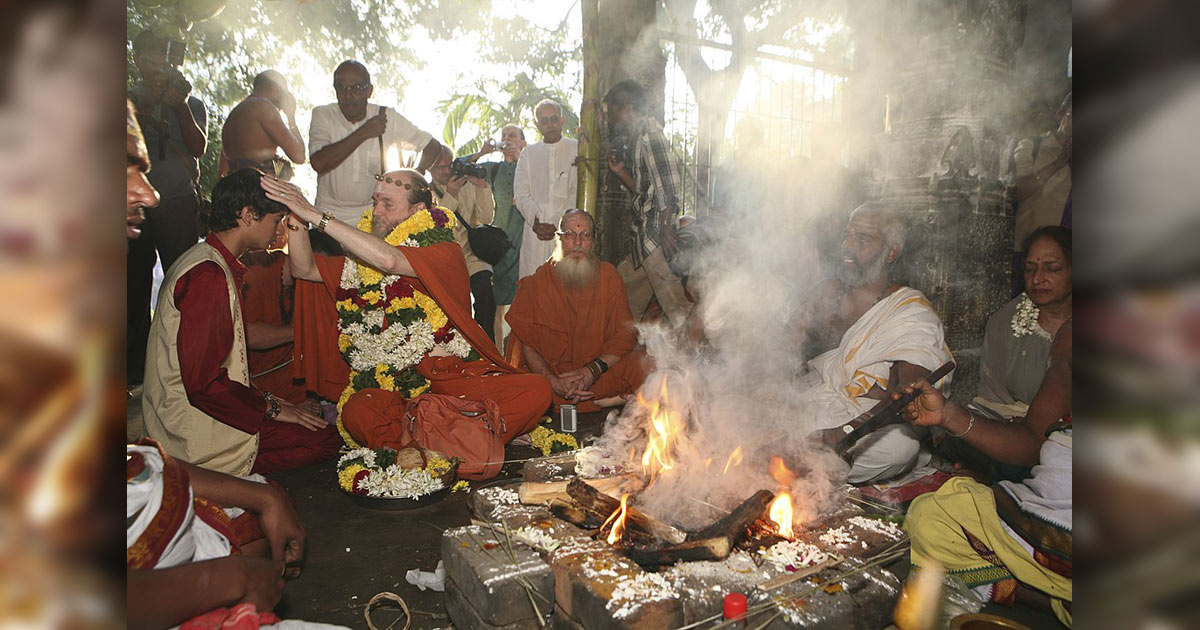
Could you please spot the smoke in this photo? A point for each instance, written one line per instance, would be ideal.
(742, 387)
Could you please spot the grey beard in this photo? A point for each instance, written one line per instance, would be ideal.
(861, 274)
(576, 274)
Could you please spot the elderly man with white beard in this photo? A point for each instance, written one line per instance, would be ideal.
(571, 323)
(873, 336)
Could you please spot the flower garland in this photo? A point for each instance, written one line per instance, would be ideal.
(375, 472)
(385, 325)
(1025, 320)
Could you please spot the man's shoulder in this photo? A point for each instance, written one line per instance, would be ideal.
(323, 112)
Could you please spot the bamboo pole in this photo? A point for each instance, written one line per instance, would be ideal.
(590, 153)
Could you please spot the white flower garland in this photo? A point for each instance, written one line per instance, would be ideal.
(399, 483)
(1025, 320)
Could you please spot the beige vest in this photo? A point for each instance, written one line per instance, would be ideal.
(184, 431)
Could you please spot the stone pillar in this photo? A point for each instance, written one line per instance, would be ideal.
(943, 71)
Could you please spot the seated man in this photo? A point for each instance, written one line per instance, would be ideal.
(393, 319)
(198, 401)
(186, 555)
(885, 335)
(571, 323)
(268, 300)
(1011, 542)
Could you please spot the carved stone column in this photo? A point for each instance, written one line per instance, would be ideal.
(944, 72)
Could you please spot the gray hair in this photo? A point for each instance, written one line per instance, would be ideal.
(891, 223)
(547, 101)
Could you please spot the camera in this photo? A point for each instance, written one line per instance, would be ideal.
(174, 79)
(462, 167)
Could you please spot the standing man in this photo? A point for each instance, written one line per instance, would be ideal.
(474, 205)
(175, 126)
(199, 403)
(255, 129)
(544, 185)
(655, 183)
(348, 141)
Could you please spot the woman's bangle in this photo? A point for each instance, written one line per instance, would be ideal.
(970, 425)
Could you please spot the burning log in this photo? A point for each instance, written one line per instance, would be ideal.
(714, 542)
(546, 492)
(707, 549)
(596, 502)
(735, 524)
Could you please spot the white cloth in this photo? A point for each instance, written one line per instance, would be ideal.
(543, 187)
(194, 541)
(901, 327)
(1046, 495)
(346, 189)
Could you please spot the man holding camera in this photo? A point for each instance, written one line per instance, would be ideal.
(174, 124)
(348, 142)
(474, 205)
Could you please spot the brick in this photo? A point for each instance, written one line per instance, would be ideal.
(550, 468)
(593, 584)
(490, 580)
(465, 616)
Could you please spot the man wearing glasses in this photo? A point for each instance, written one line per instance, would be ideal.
(571, 323)
(349, 140)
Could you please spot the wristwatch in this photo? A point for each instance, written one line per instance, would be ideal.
(848, 428)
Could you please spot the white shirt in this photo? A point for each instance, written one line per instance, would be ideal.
(543, 187)
(346, 189)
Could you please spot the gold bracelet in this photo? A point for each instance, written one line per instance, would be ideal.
(325, 219)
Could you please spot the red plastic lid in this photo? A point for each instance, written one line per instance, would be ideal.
(735, 606)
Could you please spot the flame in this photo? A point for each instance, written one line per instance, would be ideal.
(735, 458)
(618, 522)
(392, 161)
(664, 425)
(780, 472)
(781, 513)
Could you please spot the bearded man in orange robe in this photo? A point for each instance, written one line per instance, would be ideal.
(571, 323)
(357, 339)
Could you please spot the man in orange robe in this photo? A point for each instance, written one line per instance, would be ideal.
(437, 270)
(268, 299)
(571, 323)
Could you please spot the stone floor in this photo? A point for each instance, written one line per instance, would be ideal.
(353, 553)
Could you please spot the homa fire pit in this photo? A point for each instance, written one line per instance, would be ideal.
(558, 550)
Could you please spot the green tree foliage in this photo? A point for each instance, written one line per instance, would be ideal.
(478, 113)
(247, 36)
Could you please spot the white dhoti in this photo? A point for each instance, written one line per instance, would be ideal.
(901, 327)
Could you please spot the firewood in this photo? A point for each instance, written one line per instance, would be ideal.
(543, 493)
(598, 503)
(707, 549)
(574, 514)
(735, 524)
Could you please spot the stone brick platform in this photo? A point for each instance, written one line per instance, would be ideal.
(516, 562)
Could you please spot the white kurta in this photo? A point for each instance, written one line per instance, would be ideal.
(346, 189)
(543, 187)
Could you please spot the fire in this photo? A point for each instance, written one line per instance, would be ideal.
(780, 472)
(781, 513)
(781, 507)
(735, 458)
(664, 428)
(618, 522)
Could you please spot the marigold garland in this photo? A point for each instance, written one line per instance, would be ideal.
(385, 325)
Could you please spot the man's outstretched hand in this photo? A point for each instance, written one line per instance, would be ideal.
(925, 410)
(283, 530)
(294, 414)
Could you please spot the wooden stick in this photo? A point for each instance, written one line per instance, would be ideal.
(545, 492)
(597, 502)
(734, 524)
(707, 549)
(782, 580)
